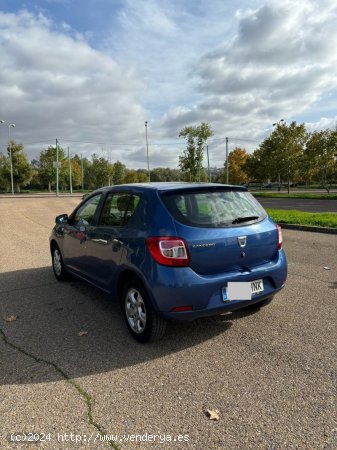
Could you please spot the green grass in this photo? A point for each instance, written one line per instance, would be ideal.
(304, 195)
(328, 220)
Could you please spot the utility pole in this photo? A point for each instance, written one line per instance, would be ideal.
(226, 160)
(57, 169)
(147, 152)
(10, 125)
(10, 154)
(209, 171)
(82, 175)
(70, 179)
(109, 167)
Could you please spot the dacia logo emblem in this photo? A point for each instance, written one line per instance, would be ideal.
(242, 240)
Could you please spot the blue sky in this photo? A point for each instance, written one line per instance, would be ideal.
(90, 73)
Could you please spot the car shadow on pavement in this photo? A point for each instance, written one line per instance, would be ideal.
(75, 328)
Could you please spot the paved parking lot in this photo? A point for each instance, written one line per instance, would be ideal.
(272, 375)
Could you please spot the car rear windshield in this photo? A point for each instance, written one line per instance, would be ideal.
(213, 209)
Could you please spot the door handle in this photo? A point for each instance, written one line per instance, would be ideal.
(100, 241)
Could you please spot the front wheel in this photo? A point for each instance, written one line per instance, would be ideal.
(142, 321)
(58, 264)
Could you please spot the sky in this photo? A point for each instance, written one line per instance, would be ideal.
(91, 73)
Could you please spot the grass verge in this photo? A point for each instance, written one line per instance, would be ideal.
(328, 220)
(295, 195)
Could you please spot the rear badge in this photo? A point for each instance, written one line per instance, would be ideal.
(242, 240)
(205, 245)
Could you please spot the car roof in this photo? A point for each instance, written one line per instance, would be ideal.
(176, 185)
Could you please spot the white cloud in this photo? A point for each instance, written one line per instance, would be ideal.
(323, 124)
(173, 63)
(54, 85)
(279, 64)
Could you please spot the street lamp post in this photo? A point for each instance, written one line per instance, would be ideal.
(10, 125)
(10, 154)
(209, 170)
(279, 175)
(147, 152)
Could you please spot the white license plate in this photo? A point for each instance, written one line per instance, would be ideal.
(256, 286)
(242, 290)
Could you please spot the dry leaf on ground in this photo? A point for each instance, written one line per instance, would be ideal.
(212, 414)
(11, 318)
(82, 333)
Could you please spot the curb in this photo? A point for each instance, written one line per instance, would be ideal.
(289, 226)
(40, 196)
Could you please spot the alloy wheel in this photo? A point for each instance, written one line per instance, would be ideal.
(135, 311)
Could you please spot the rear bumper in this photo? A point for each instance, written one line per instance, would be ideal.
(213, 311)
(181, 287)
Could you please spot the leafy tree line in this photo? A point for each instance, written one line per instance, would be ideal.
(87, 173)
(289, 155)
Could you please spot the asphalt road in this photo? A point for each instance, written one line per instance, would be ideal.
(307, 205)
(271, 374)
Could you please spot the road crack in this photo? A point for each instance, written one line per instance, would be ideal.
(23, 288)
(88, 400)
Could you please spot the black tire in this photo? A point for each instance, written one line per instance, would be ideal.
(260, 304)
(141, 320)
(58, 264)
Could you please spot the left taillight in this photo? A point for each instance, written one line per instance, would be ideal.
(279, 237)
(169, 251)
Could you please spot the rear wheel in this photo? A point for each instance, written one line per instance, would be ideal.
(142, 321)
(58, 264)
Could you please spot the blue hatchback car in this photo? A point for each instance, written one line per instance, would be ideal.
(172, 251)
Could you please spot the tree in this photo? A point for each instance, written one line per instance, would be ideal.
(131, 176)
(119, 171)
(279, 155)
(190, 162)
(4, 182)
(165, 174)
(35, 180)
(22, 171)
(256, 166)
(142, 176)
(319, 159)
(101, 171)
(237, 173)
(76, 175)
(47, 171)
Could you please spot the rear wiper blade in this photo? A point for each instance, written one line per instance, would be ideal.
(244, 219)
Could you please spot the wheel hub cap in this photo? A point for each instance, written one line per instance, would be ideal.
(57, 262)
(135, 311)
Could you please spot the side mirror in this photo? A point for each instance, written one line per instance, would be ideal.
(62, 219)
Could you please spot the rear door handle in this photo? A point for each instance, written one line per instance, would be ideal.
(100, 241)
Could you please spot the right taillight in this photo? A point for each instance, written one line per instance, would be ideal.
(279, 237)
(169, 251)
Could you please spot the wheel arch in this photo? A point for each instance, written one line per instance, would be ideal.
(128, 274)
(53, 244)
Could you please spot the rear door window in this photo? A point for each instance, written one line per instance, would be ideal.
(118, 209)
(214, 208)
